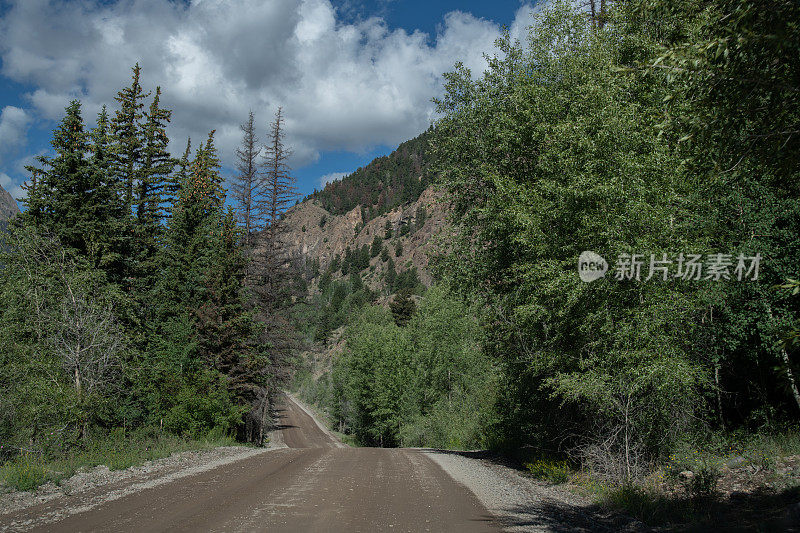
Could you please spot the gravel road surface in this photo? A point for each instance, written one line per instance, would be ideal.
(309, 481)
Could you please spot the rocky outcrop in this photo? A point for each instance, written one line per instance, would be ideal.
(8, 207)
(314, 234)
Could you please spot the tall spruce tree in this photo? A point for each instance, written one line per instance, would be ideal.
(109, 245)
(157, 164)
(126, 127)
(73, 198)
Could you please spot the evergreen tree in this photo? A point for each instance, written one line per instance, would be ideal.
(377, 245)
(402, 307)
(157, 165)
(111, 242)
(74, 198)
(391, 275)
(126, 128)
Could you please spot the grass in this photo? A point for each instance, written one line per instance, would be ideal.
(117, 451)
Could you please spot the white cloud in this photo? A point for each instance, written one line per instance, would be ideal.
(13, 127)
(333, 176)
(342, 86)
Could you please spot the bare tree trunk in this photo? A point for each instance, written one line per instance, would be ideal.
(790, 376)
(719, 396)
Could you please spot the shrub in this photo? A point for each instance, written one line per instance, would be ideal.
(26, 472)
(549, 470)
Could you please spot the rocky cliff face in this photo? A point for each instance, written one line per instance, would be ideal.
(314, 234)
(8, 207)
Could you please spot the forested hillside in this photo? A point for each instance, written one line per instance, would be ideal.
(384, 184)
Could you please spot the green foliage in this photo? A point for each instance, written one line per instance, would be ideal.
(425, 384)
(407, 281)
(123, 294)
(377, 246)
(624, 140)
(402, 308)
(26, 472)
(551, 471)
(118, 450)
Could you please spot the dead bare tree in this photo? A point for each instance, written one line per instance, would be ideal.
(279, 185)
(89, 342)
(279, 194)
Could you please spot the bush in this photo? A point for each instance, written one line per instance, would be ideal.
(26, 472)
(549, 470)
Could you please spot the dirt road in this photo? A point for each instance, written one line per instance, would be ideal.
(313, 484)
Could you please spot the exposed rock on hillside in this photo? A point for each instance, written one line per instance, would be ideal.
(313, 234)
(8, 207)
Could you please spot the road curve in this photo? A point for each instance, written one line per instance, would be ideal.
(314, 484)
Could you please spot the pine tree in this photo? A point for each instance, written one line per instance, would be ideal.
(247, 187)
(157, 165)
(154, 176)
(402, 307)
(126, 127)
(60, 203)
(111, 243)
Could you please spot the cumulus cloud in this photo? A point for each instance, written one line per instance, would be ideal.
(333, 176)
(13, 127)
(342, 86)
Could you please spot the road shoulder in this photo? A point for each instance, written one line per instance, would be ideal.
(524, 504)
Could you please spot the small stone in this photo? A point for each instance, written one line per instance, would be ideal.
(686, 475)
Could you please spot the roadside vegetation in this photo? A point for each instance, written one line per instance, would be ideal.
(118, 451)
(137, 316)
(645, 127)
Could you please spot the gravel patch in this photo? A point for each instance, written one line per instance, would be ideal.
(524, 504)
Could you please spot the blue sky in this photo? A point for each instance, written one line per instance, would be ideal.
(354, 78)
